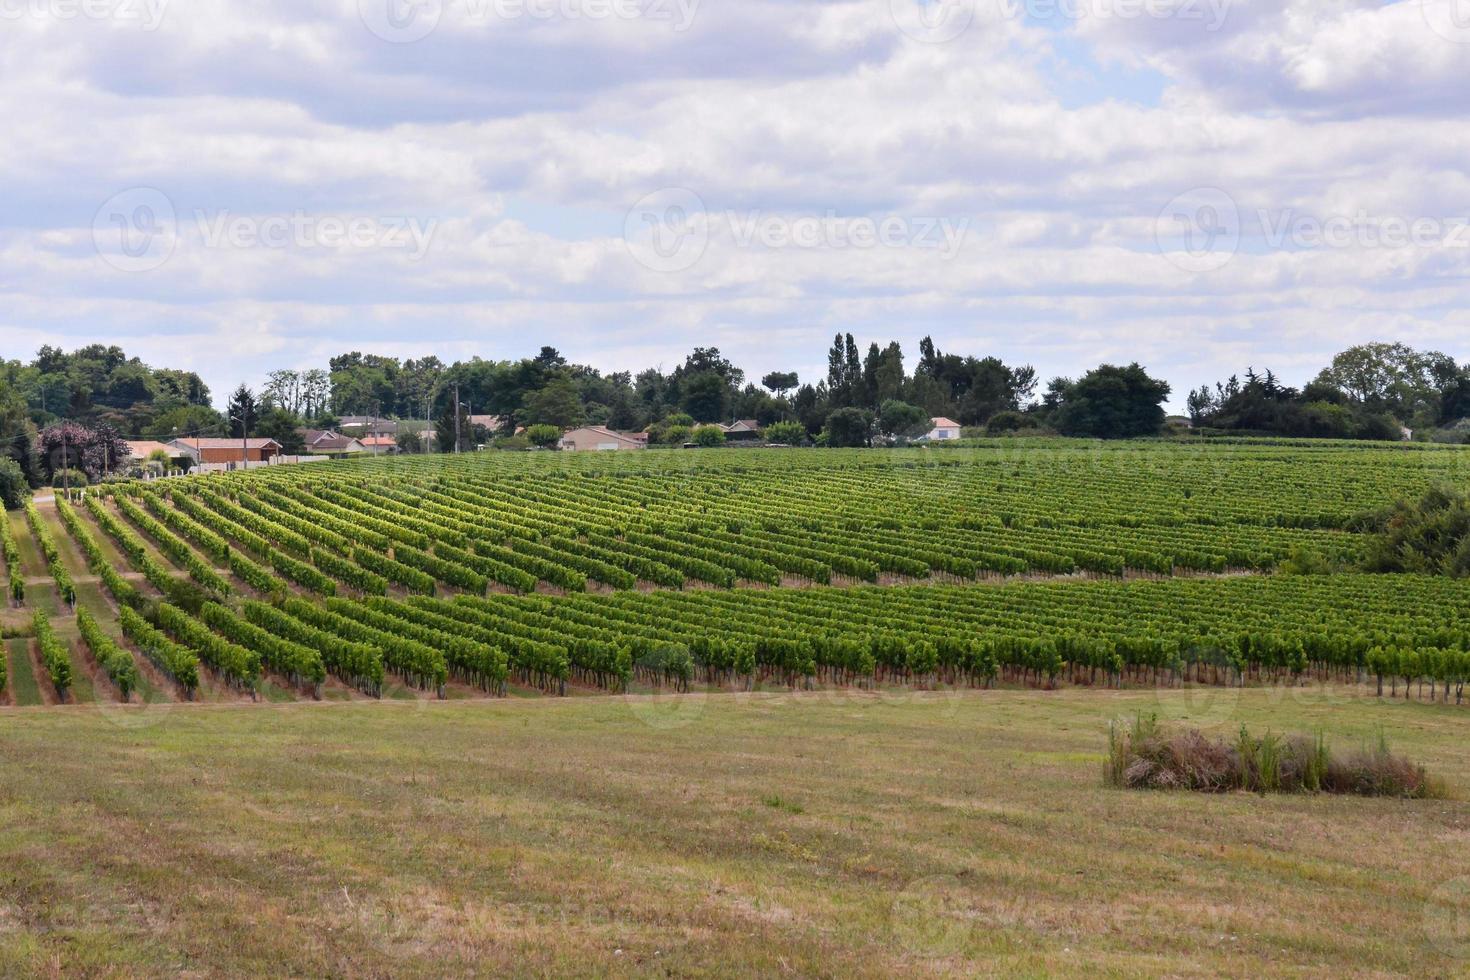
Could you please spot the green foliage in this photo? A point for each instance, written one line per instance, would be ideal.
(709, 436)
(849, 427)
(15, 490)
(1429, 536)
(116, 662)
(786, 433)
(902, 420)
(54, 655)
(542, 435)
(1112, 402)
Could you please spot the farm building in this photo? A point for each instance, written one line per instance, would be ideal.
(596, 437)
(327, 443)
(227, 450)
(943, 428)
(742, 429)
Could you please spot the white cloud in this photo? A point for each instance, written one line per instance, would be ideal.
(524, 144)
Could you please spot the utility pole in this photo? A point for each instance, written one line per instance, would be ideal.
(456, 419)
(65, 465)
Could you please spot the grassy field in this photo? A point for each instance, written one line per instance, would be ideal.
(821, 834)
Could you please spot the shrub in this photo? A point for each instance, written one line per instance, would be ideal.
(72, 478)
(544, 436)
(709, 436)
(1428, 536)
(14, 490)
(786, 433)
(1144, 756)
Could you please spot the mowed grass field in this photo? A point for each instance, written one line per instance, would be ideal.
(827, 834)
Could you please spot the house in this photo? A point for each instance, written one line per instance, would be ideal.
(324, 442)
(742, 429)
(380, 445)
(140, 450)
(943, 428)
(596, 437)
(227, 451)
(367, 425)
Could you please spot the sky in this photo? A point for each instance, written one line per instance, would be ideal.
(1198, 185)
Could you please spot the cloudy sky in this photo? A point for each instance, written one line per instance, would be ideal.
(1195, 184)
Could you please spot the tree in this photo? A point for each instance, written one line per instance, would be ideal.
(410, 442)
(95, 452)
(848, 427)
(444, 429)
(1394, 378)
(1112, 402)
(284, 427)
(556, 404)
(709, 436)
(705, 396)
(902, 420)
(780, 382)
(14, 488)
(544, 436)
(283, 389)
(243, 412)
(786, 433)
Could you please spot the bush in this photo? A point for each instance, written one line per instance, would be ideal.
(544, 436)
(786, 433)
(1429, 536)
(14, 491)
(709, 436)
(72, 478)
(1144, 756)
(676, 435)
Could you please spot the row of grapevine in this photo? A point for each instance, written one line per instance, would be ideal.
(54, 656)
(178, 662)
(65, 588)
(357, 664)
(173, 546)
(237, 665)
(121, 589)
(115, 662)
(10, 551)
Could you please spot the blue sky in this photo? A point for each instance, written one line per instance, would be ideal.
(1200, 185)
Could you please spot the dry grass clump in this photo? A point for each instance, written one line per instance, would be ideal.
(1142, 755)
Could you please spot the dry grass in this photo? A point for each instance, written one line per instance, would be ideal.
(1144, 755)
(823, 834)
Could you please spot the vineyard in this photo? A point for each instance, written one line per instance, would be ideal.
(548, 573)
